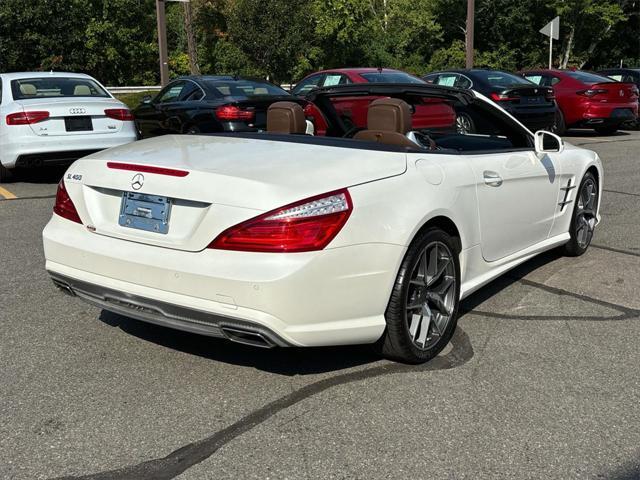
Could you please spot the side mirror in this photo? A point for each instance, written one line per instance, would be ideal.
(547, 142)
(146, 99)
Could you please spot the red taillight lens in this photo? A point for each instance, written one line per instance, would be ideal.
(233, 113)
(500, 97)
(304, 226)
(592, 92)
(122, 114)
(64, 207)
(26, 118)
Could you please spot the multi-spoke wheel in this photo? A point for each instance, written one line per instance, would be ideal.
(464, 124)
(583, 222)
(422, 311)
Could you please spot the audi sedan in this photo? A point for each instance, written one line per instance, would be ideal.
(283, 239)
(52, 118)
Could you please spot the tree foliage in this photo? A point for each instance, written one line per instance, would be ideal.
(116, 40)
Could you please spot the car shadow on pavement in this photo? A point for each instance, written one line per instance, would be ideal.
(588, 133)
(282, 361)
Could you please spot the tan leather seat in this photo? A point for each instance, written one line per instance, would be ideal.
(81, 90)
(388, 121)
(286, 117)
(28, 89)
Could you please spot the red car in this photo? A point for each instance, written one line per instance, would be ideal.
(430, 114)
(588, 100)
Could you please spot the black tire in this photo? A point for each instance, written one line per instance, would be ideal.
(6, 174)
(575, 247)
(559, 127)
(397, 342)
(608, 130)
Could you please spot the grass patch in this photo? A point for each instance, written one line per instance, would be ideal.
(132, 100)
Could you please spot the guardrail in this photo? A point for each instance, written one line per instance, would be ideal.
(134, 89)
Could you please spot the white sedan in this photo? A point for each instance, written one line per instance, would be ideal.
(367, 235)
(50, 118)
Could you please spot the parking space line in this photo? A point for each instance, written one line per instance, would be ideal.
(7, 194)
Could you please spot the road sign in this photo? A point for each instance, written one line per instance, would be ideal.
(552, 29)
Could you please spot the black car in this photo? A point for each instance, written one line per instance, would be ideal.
(627, 75)
(207, 104)
(533, 105)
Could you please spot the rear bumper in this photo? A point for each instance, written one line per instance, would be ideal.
(335, 296)
(24, 148)
(608, 114)
(535, 119)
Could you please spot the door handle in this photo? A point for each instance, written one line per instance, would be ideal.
(492, 178)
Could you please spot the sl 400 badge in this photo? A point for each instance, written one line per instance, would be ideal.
(74, 176)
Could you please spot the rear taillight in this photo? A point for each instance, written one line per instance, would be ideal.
(64, 207)
(303, 226)
(122, 114)
(26, 118)
(592, 92)
(232, 113)
(501, 97)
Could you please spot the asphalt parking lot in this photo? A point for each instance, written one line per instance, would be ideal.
(542, 379)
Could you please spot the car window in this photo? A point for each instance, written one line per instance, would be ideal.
(390, 77)
(171, 92)
(537, 79)
(463, 82)
(332, 79)
(191, 93)
(308, 84)
(431, 78)
(500, 79)
(56, 87)
(588, 77)
(447, 79)
(242, 89)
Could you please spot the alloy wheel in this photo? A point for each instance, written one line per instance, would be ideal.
(586, 213)
(463, 124)
(430, 300)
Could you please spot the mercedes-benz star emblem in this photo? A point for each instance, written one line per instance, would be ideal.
(137, 181)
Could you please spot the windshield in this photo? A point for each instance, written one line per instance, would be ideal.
(243, 88)
(587, 77)
(56, 87)
(390, 77)
(501, 79)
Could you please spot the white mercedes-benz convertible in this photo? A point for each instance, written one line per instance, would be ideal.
(368, 234)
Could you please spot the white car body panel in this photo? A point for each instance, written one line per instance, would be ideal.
(50, 136)
(333, 296)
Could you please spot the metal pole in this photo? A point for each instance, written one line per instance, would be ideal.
(469, 40)
(162, 43)
(551, 47)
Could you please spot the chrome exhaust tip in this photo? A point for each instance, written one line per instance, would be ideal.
(247, 337)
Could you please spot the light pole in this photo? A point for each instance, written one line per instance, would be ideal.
(469, 30)
(162, 43)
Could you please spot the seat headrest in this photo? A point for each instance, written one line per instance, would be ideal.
(389, 115)
(81, 90)
(28, 89)
(286, 117)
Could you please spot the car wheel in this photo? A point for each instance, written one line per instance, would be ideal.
(5, 174)
(608, 130)
(583, 220)
(422, 311)
(464, 124)
(559, 127)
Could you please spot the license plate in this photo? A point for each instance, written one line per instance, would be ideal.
(533, 100)
(78, 124)
(145, 212)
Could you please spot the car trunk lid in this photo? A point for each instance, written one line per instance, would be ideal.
(612, 92)
(524, 96)
(209, 183)
(69, 116)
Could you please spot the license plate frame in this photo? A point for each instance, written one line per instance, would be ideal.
(143, 211)
(78, 124)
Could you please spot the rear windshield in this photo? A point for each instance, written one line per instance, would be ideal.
(501, 79)
(243, 88)
(390, 77)
(56, 87)
(587, 77)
